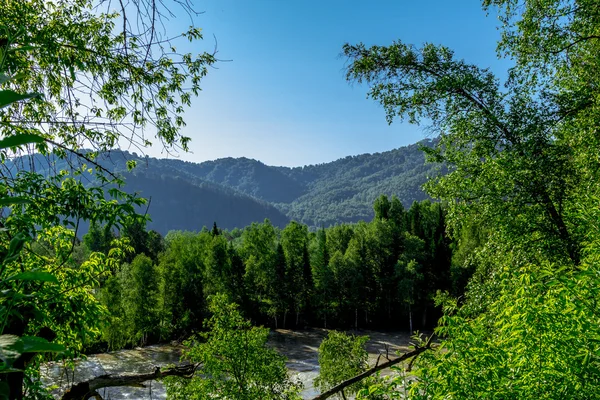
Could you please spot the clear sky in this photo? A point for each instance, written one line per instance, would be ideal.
(283, 98)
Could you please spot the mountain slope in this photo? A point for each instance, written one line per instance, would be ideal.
(235, 192)
(323, 194)
(344, 190)
(177, 200)
(179, 204)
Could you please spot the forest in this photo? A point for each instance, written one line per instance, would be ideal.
(504, 264)
(367, 275)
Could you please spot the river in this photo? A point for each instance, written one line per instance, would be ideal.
(299, 347)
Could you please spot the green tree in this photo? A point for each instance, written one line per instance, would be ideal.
(323, 278)
(98, 238)
(155, 245)
(116, 327)
(218, 274)
(181, 300)
(341, 357)
(88, 84)
(523, 168)
(382, 207)
(410, 276)
(139, 283)
(294, 241)
(259, 245)
(360, 282)
(281, 293)
(235, 362)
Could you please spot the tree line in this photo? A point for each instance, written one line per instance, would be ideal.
(378, 274)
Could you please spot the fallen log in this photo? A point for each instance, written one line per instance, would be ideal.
(339, 388)
(88, 389)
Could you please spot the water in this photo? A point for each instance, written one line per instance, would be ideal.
(299, 347)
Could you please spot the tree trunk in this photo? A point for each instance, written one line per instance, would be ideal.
(86, 390)
(424, 318)
(410, 319)
(356, 318)
(284, 318)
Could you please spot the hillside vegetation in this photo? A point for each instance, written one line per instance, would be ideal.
(234, 192)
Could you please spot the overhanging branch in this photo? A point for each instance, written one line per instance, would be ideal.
(377, 368)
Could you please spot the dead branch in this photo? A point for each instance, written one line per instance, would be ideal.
(88, 389)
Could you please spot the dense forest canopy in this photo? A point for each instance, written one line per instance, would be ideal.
(510, 253)
(347, 276)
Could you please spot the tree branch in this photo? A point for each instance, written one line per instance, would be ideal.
(358, 378)
(577, 41)
(87, 389)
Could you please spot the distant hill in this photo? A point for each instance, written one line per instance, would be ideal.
(181, 204)
(344, 190)
(235, 192)
(317, 195)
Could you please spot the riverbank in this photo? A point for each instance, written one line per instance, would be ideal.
(299, 347)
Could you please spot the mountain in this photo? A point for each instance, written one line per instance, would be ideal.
(177, 203)
(317, 195)
(344, 190)
(177, 200)
(235, 192)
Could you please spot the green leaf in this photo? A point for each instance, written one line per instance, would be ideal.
(7, 97)
(131, 164)
(7, 201)
(22, 48)
(40, 276)
(15, 246)
(19, 140)
(32, 344)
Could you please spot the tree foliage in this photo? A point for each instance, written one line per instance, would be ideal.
(341, 357)
(522, 170)
(71, 78)
(234, 361)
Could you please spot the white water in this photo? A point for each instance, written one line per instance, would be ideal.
(299, 347)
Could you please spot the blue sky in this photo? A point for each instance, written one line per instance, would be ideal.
(283, 99)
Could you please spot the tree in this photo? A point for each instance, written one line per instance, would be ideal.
(356, 279)
(341, 357)
(522, 168)
(382, 207)
(323, 279)
(234, 361)
(87, 85)
(259, 253)
(484, 134)
(181, 288)
(218, 274)
(139, 283)
(98, 239)
(410, 276)
(294, 242)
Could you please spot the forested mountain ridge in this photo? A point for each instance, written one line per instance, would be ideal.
(344, 190)
(317, 195)
(234, 192)
(177, 200)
